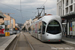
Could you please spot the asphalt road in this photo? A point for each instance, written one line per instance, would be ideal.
(24, 38)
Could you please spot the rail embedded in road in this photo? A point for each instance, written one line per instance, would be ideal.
(22, 43)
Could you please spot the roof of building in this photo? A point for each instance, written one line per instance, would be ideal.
(1, 14)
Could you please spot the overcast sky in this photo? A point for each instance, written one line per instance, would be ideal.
(28, 7)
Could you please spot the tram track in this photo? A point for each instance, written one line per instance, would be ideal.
(22, 44)
(28, 42)
(49, 45)
(16, 42)
(25, 41)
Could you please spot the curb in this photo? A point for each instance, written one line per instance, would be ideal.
(69, 42)
(8, 43)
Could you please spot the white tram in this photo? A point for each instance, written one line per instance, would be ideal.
(47, 29)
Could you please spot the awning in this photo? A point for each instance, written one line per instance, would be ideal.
(69, 16)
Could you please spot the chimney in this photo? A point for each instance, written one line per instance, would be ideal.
(8, 14)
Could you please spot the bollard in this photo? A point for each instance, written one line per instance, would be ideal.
(7, 34)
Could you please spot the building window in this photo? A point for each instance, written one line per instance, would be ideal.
(74, 7)
(57, 0)
(63, 1)
(63, 12)
(71, 1)
(67, 10)
(66, 2)
(71, 8)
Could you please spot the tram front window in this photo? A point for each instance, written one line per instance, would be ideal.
(43, 27)
(53, 27)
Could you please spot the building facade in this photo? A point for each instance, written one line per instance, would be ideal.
(11, 21)
(1, 18)
(66, 9)
(27, 24)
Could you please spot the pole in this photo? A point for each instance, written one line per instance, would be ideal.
(44, 10)
(38, 12)
(41, 11)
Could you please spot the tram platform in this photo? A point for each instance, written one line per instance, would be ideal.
(70, 41)
(6, 41)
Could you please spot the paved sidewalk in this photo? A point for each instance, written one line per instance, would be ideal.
(69, 40)
(5, 41)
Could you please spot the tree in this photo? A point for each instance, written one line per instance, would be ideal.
(29, 29)
(24, 28)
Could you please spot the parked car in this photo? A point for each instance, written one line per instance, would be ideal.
(11, 32)
(18, 31)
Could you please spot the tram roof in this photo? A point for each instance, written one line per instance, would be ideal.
(44, 17)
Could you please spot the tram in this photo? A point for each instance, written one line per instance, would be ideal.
(47, 29)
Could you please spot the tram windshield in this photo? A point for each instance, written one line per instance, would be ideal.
(43, 27)
(53, 27)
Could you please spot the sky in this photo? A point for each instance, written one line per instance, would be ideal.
(28, 8)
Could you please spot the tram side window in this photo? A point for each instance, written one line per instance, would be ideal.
(39, 29)
(40, 24)
(32, 28)
(43, 27)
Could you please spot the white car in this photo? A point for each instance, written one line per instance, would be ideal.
(11, 32)
(18, 31)
(14, 32)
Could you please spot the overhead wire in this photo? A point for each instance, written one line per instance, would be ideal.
(44, 3)
(10, 6)
(21, 9)
(14, 8)
(43, 6)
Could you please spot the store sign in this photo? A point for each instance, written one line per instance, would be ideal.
(2, 29)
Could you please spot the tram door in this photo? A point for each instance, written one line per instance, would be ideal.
(36, 27)
(40, 30)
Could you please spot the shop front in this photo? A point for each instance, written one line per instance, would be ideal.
(68, 25)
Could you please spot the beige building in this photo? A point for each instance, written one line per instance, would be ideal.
(27, 24)
(7, 18)
(11, 21)
(1, 21)
(1, 18)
